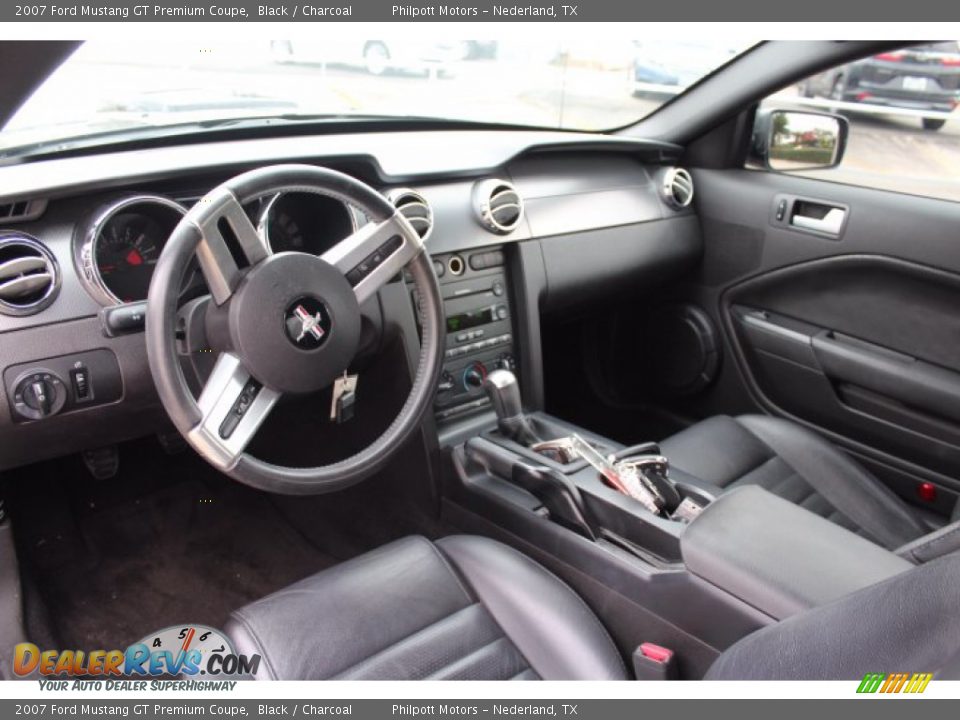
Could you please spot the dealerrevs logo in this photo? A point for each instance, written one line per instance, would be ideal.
(179, 650)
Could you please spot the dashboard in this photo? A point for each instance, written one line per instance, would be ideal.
(518, 224)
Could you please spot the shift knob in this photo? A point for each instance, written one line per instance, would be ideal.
(504, 392)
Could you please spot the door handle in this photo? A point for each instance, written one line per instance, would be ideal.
(831, 223)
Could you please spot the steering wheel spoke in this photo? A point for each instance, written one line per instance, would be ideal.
(233, 406)
(374, 254)
(230, 244)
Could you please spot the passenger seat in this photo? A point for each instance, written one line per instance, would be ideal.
(723, 452)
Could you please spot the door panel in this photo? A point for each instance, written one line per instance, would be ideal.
(856, 335)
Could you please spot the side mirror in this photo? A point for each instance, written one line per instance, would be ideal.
(785, 140)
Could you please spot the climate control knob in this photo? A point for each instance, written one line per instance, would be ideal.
(474, 376)
(506, 362)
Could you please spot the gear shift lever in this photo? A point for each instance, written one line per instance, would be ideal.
(504, 392)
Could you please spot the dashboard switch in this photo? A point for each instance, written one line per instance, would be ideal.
(39, 394)
(124, 319)
(374, 260)
(80, 379)
(240, 407)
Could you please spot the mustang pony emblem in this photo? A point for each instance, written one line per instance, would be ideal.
(309, 323)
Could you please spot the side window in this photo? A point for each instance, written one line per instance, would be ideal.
(904, 123)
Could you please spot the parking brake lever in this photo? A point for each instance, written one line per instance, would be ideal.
(558, 494)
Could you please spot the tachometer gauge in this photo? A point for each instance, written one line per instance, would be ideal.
(121, 247)
(128, 249)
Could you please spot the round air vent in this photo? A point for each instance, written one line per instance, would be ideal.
(29, 276)
(498, 204)
(677, 188)
(415, 208)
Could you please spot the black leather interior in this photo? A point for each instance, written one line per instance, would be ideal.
(461, 608)
(778, 557)
(467, 607)
(933, 545)
(908, 623)
(797, 465)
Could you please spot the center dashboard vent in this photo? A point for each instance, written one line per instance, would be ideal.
(29, 276)
(22, 210)
(498, 205)
(677, 188)
(415, 208)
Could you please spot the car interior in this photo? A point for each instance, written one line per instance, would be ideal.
(430, 400)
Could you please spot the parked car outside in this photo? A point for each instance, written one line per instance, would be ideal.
(922, 77)
(377, 57)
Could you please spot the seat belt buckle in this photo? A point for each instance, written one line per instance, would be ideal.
(654, 662)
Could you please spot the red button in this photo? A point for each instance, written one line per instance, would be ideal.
(657, 653)
(927, 492)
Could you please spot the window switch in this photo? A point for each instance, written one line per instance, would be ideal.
(80, 379)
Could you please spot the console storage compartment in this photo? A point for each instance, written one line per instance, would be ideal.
(779, 557)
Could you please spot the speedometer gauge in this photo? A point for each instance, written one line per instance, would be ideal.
(121, 247)
(305, 222)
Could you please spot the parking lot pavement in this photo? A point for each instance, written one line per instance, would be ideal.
(883, 150)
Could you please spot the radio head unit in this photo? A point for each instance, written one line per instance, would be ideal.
(477, 307)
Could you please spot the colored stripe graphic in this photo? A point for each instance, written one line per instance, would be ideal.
(894, 683)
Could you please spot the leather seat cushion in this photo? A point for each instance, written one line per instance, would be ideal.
(908, 623)
(464, 608)
(794, 463)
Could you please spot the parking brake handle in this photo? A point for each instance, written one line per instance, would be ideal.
(558, 494)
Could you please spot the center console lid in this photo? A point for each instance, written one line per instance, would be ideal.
(779, 557)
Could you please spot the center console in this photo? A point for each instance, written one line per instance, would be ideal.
(479, 318)
(694, 582)
(663, 557)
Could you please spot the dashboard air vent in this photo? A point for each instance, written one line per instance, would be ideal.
(415, 208)
(29, 277)
(677, 188)
(498, 205)
(22, 210)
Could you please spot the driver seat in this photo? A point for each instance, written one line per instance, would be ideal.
(469, 608)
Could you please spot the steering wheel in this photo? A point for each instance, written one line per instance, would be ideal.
(284, 323)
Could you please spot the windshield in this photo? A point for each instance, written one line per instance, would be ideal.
(107, 89)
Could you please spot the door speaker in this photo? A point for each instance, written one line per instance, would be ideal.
(683, 350)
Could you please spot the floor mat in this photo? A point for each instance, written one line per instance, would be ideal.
(169, 541)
